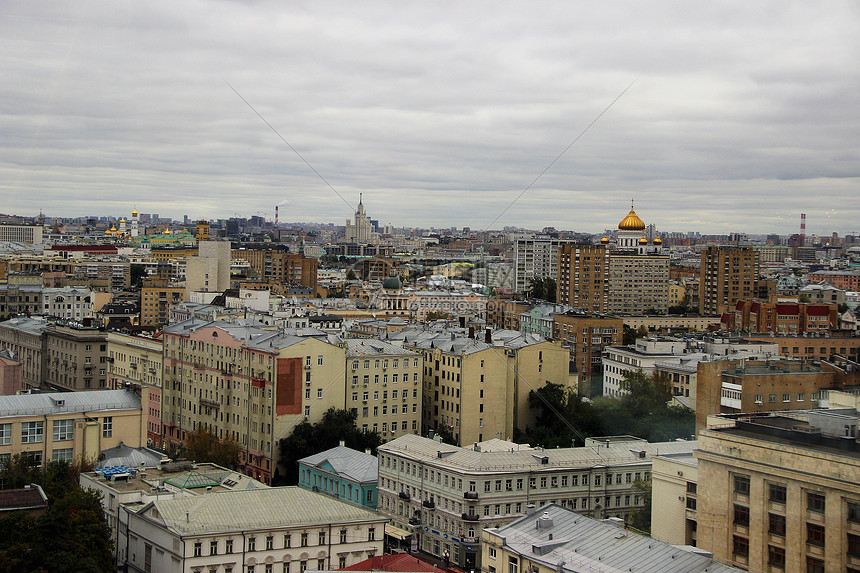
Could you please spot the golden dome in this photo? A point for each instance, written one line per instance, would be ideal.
(643, 241)
(122, 220)
(134, 213)
(167, 232)
(113, 229)
(107, 231)
(604, 240)
(658, 241)
(631, 222)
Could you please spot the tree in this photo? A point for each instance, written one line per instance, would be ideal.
(308, 439)
(640, 519)
(629, 336)
(350, 275)
(562, 418)
(204, 446)
(549, 289)
(445, 434)
(641, 332)
(536, 287)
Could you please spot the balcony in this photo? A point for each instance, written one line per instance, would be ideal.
(404, 495)
(209, 403)
(470, 495)
(471, 517)
(414, 521)
(428, 503)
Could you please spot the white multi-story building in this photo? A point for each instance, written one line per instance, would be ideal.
(71, 303)
(31, 234)
(644, 355)
(283, 529)
(535, 257)
(446, 494)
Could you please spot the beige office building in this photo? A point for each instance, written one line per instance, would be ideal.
(674, 498)
(779, 491)
(75, 357)
(67, 426)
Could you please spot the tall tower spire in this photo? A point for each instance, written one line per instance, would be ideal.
(359, 198)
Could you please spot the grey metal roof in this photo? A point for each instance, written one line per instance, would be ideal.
(35, 325)
(353, 465)
(582, 544)
(373, 347)
(250, 510)
(67, 402)
(467, 459)
(123, 455)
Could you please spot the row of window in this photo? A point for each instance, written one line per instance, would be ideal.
(269, 542)
(34, 432)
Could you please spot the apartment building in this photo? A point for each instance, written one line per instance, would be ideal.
(69, 303)
(135, 362)
(67, 426)
(446, 495)
(280, 265)
(25, 338)
(585, 336)
(778, 491)
(787, 318)
(814, 347)
(384, 389)
(20, 299)
(209, 269)
(280, 529)
(583, 277)
(505, 313)
(845, 280)
(112, 274)
(75, 357)
(155, 303)
(536, 258)
(727, 275)
(247, 384)
(478, 387)
(638, 282)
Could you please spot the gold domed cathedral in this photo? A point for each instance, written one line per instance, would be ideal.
(638, 270)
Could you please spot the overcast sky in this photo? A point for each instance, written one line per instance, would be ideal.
(741, 116)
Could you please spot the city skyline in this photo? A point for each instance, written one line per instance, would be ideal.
(740, 118)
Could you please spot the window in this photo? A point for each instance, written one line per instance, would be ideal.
(270, 542)
(776, 493)
(32, 432)
(740, 546)
(742, 485)
(252, 544)
(776, 524)
(814, 565)
(492, 551)
(213, 548)
(5, 434)
(776, 556)
(303, 566)
(371, 534)
(692, 487)
(321, 538)
(107, 426)
(742, 515)
(853, 545)
(513, 566)
(815, 502)
(320, 564)
(304, 540)
(62, 455)
(63, 430)
(287, 541)
(854, 511)
(815, 534)
(198, 549)
(228, 546)
(343, 535)
(341, 562)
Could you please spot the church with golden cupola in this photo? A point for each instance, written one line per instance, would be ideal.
(638, 270)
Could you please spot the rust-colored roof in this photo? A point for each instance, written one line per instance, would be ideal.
(817, 310)
(788, 309)
(395, 562)
(24, 498)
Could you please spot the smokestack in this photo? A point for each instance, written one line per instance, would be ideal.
(803, 229)
(488, 336)
(276, 216)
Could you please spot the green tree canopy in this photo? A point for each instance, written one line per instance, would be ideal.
(308, 439)
(204, 446)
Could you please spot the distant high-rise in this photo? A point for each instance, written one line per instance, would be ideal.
(727, 275)
(360, 230)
